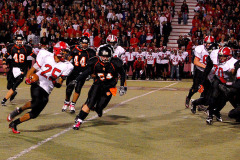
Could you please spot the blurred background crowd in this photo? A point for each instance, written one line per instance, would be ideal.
(136, 23)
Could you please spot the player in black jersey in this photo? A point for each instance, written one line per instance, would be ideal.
(18, 64)
(79, 57)
(106, 68)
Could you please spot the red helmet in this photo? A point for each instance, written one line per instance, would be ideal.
(224, 54)
(208, 40)
(112, 40)
(131, 49)
(61, 50)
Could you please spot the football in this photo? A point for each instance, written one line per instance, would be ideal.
(34, 78)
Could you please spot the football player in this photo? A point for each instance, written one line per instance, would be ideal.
(165, 54)
(106, 68)
(79, 56)
(150, 60)
(231, 91)
(17, 53)
(130, 59)
(201, 53)
(113, 41)
(223, 74)
(51, 69)
(206, 83)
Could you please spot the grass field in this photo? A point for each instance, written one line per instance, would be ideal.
(149, 122)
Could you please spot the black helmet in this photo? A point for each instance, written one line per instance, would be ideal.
(19, 40)
(84, 40)
(105, 51)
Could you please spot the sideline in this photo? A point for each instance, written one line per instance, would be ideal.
(89, 119)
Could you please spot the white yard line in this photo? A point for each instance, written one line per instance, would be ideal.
(89, 119)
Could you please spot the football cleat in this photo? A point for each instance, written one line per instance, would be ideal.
(99, 112)
(13, 96)
(3, 103)
(13, 114)
(218, 116)
(65, 106)
(77, 124)
(13, 126)
(72, 107)
(193, 108)
(187, 102)
(209, 120)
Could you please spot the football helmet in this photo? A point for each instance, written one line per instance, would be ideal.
(105, 53)
(224, 54)
(130, 49)
(112, 40)
(19, 40)
(208, 41)
(164, 49)
(84, 42)
(61, 50)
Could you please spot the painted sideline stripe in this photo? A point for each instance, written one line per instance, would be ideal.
(93, 117)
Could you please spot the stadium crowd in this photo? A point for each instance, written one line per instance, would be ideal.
(141, 25)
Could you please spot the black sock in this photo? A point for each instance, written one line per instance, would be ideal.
(4, 100)
(82, 115)
(17, 121)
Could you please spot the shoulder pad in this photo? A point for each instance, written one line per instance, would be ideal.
(10, 46)
(198, 48)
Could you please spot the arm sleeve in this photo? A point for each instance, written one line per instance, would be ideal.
(88, 69)
(84, 74)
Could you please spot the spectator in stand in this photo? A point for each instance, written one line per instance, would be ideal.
(222, 42)
(52, 36)
(180, 42)
(185, 11)
(30, 36)
(18, 31)
(149, 37)
(162, 20)
(44, 40)
(97, 40)
(232, 43)
(123, 41)
(186, 40)
(134, 41)
(180, 17)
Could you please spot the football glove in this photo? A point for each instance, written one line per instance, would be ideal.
(200, 88)
(72, 83)
(122, 90)
(28, 81)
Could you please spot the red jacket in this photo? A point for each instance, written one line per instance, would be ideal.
(138, 65)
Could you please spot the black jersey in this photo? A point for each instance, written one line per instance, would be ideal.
(19, 55)
(106, 73)
(80, 58)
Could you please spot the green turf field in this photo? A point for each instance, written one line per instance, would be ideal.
(149, 122)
